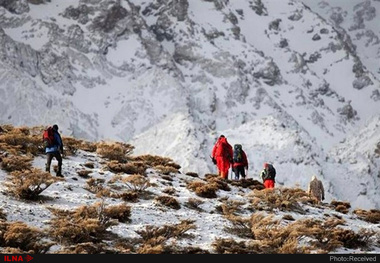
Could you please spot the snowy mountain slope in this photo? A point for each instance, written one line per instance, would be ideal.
(169, 77)
(234, 208)
(357, 19)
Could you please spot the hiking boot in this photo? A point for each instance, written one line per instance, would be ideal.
(59, 175)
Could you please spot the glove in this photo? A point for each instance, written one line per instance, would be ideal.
(323, 198)
(214, 160)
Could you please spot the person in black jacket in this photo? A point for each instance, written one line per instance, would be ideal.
(55, 151)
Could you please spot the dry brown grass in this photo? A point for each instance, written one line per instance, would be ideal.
(166, 170)
(21, 238)
(168, 201)
(248, 183)
(132, 167)
(84, 173)
(25, 140)
(194, 203)
(284, 199)
(154, 238)
(154, 160)
(192, 174)
(114, 151)
(72, 145)
(84, 224)
(342, 207)
(202, 189)
(169, 191)
(21, 140)
(16, 163)
(136, 182)
(29, 184)
(371, 216)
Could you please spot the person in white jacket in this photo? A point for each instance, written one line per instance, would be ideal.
(315, 189)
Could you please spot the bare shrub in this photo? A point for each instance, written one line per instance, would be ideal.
(168, 201)
(284, 199)
(240, 226)
(136, 182)
(84, 224)
(90, 248)
(23, 237)
(202, 189)
(132, 167)
(218, 183)
(230, 246)
(16, 163)
(21, 140)
(29, 184)
(154, 160)
(121, 212)
(117, 151)
(169, 191)
(192, 174)
(129, 196)
(288, 217)
(165, 169)
(371, 216)
(84, 173)
(194, 203)
(72, 145)
(342, 207)
(248, 183)
(96, 186)
(154, 237)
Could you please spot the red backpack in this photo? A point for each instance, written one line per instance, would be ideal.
(48, 137)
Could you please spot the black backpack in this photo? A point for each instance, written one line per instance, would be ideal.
(238, 153)
(270, 172)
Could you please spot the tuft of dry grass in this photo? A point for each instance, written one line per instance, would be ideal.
(168, 201)
(84, 224)
(202, 189)
(16, 163)
(132, 167)
(166, 170)
(84, 173)
(21, 140)
(18, 236)
(155, 160)
(342, 207)
(116, 151)
(136, 182)
(29, 184)
(371, 216)
(194, 203)
(284, 199)
(72, 145)
(154, 238)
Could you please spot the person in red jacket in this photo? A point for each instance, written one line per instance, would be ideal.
(240, 162)
(221, 155)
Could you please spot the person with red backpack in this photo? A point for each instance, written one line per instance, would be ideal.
(221, 155)
(53, 148)
(268, 175)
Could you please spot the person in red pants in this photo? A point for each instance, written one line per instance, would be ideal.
(221, 155)
(268, 175)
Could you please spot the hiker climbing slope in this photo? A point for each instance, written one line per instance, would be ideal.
(221, 154)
